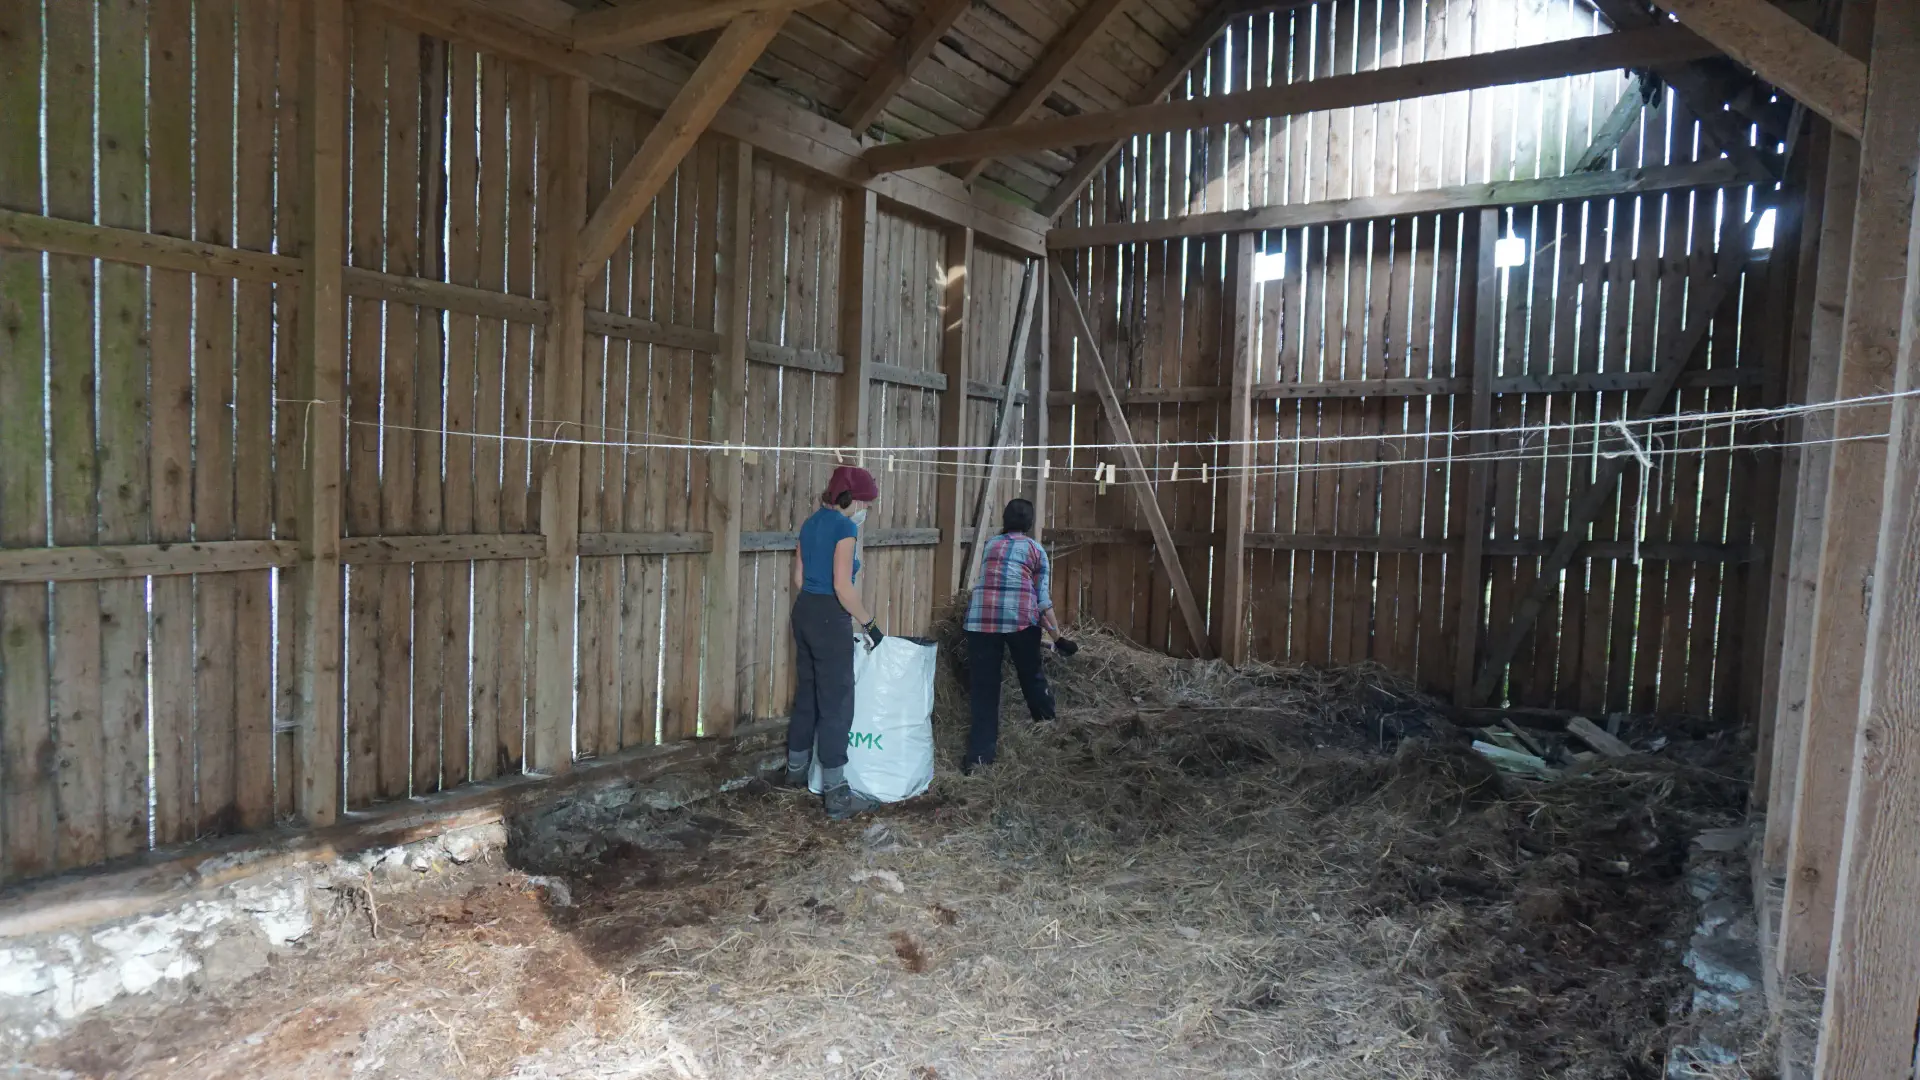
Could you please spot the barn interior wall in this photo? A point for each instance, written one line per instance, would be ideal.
(1364, 356)
(154, 439)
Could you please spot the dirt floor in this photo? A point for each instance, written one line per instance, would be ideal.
(1195, 873)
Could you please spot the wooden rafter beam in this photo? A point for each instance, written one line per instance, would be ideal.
(1046, 75)
(692, 110)
(933, 22)
(1184, 55)
(1674, 356)
(1630, 48)
(1781, 50)
(1500, 193)
(645, 21)
(1138, 478)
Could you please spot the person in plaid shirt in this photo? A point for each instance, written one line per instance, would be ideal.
(1011, 611)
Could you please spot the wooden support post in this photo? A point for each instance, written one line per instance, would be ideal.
(1875, 281)
(1873, 974)
(319, 392)
(720, 702)
(1010, 388)
(1240, 293)
(1137, 471)
(565, 197)
(1808, 529)
(859, 213)
(936, 17)
(1779, 49)
(1671, 359)
(953, 413)
(1471, 575)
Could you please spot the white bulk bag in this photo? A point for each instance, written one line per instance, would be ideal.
(890, 751)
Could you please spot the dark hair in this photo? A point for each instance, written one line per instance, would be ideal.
(843, 501)
(1017, 517)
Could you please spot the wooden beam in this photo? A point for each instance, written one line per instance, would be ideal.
(1869, 335)
(859, 218)
(660, 153)
(550, 744)
(1579, 56)
(319, 389)
(1873, 975)
(1620, 120)
(1140, 481)
(32, 232)
(936, 17)
(1822, 349)
(646, 21)
(1502, 193)
(470, 547)
(954, 317)
(1242, 293)
(720, 701)
(1038, 379)
(1182, 57)
(1046, 74)
(537, 32)
(1003, 426)
(1672, 358)
(1781, 50)
(98, 563)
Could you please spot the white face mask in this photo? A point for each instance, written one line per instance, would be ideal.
(858, 517)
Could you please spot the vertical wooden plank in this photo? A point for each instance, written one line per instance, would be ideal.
(462, 246)
(955, 319)
(399, 469)
(366, 701)
(290, 417)
(1242, 303)
(565, 205)
(170, 461)
(27, 783)
(489, 578)
(317, 580)
(721, 696)
(520, 387)
(430, 710)
(259, 82)
(700, 376)
(1483, 315)
(1875, 279)
(214, 410)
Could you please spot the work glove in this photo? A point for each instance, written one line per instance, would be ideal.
(873, 634)
(1065, 647)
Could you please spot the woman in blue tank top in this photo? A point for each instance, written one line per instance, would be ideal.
(826, 606)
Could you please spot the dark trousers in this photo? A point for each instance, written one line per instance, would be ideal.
(983, 692)
(823, 679)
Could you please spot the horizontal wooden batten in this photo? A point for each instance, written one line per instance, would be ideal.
(903, 376)
(424, 292)
(660, 543)
(1572, 383)
(986, 391)
(628, 328)
(143, 560)
(1499, 193)
(433, 549)
(33, 232)
(877, 538)
(1650, 551)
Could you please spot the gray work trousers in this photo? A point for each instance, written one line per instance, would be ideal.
(823, 679)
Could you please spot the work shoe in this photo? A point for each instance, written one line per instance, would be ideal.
(793, 778)
(843, 802)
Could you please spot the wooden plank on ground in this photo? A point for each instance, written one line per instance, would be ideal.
(1141, 482)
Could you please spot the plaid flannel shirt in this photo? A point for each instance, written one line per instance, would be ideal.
(1016, 585)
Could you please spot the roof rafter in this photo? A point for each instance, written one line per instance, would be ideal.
(933, 22)
(1780, 49)
(1047, 74)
